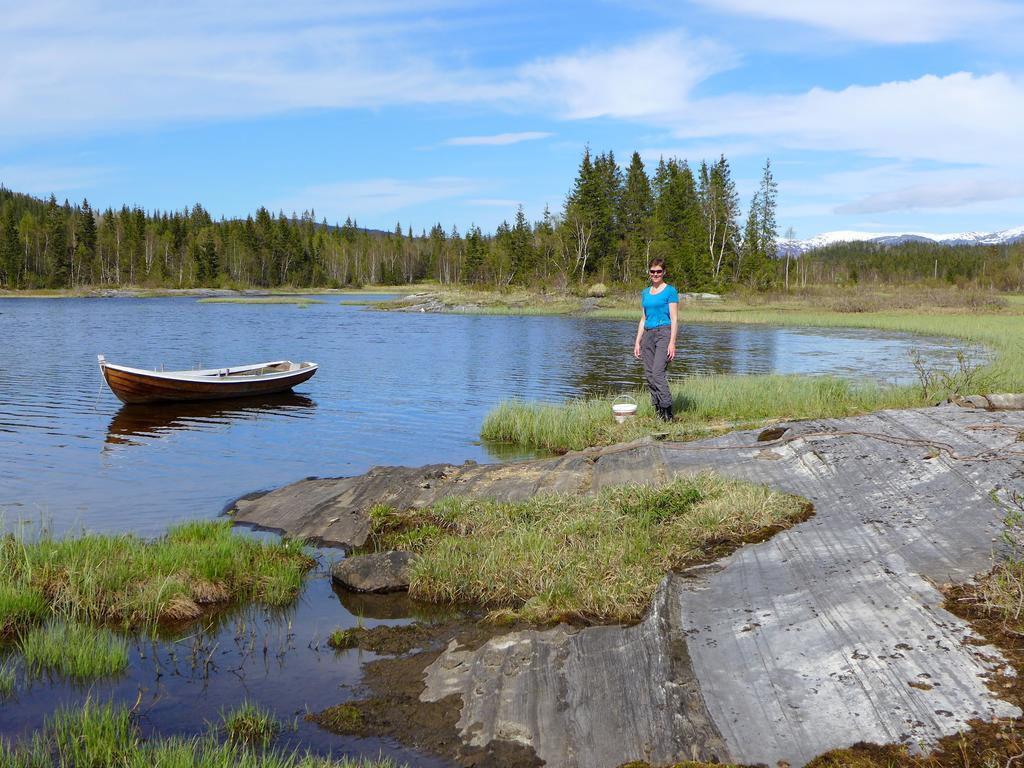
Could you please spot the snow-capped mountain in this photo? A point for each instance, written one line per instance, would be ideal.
(795, 247)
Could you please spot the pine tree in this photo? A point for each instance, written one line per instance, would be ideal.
(637, 219)
(56, 259)
(522, 257)
(10, 252)
(767, 233)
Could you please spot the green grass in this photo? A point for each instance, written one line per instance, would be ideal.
(250, 724)
(558, 557)
(76, 651)
(102, 735)
(710, 404)
(341, 639)
(8, 679)
(704, 405)
(20, 606)
(134, 583)
(300, 300)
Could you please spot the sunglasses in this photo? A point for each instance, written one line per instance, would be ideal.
(657, 271)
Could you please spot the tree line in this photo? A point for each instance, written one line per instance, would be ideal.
(990, 267)
(612, 222)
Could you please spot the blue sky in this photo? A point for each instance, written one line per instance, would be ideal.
(879, 115)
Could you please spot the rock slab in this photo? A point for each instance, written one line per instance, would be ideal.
(377, 572)
(830, 633)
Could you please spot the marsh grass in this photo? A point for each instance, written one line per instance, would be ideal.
(342, 639)
(101, 735)
(569, 557)
(20, 606)
(133, 583)
(250, 724)
(704, 405)
(299, 300)
(72, 650)
(8, 679)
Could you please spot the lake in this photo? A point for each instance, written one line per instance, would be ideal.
(393, 388)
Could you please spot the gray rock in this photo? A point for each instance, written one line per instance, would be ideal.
(781, 651)
(1006, 402)
(379, 572)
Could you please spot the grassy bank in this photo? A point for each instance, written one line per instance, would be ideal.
(704, 405)
(592, 558)
(709, 404)
(133, 583)
(60, 598)
(101, 735)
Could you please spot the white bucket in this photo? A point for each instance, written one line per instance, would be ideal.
(623, 408)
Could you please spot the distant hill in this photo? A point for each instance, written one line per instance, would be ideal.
(796, 247)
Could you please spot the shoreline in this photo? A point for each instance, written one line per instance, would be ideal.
(156, 293)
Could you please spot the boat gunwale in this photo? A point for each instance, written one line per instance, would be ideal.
(222, 376)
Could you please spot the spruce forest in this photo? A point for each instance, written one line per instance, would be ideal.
(611, 223)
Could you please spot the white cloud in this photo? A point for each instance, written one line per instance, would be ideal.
(961, 118)
(371, 197)
(893, 187)
(500, 139)
(885, 21)
(650, 76)
(937, 195)
(79, 68)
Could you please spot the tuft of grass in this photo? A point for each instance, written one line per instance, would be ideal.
(250, 724)
(20, 606)
(77, 651)
(568, 557)
(1002, 591)
(342, 639)
(102, 735)
(134, 583)
(341, 718)
(8, 679)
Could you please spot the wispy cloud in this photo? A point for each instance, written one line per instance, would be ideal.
(43, 179)
(951, 194)
(494, 202)
(649, 76)
(885, 21)
(497, 140)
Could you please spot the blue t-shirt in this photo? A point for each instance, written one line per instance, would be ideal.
(656, 306)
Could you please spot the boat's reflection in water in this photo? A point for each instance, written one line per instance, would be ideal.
(149, 421)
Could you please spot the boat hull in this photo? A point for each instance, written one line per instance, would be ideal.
(142, 387)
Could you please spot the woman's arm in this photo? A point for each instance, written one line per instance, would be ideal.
(673, 314)
(639, 334)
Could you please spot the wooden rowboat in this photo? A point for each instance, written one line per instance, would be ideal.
(138, 385)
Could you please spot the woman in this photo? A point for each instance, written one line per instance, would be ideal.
(656, 336)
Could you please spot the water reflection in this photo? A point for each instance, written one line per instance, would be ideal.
(137, 420)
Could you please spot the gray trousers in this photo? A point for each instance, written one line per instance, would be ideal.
(654, 353)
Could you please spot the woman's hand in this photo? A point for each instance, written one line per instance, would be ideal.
(671, 352)
(636, 349)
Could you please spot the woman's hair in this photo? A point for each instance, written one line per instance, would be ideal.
(658, 263)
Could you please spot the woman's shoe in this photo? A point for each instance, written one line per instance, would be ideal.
(665, 414)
